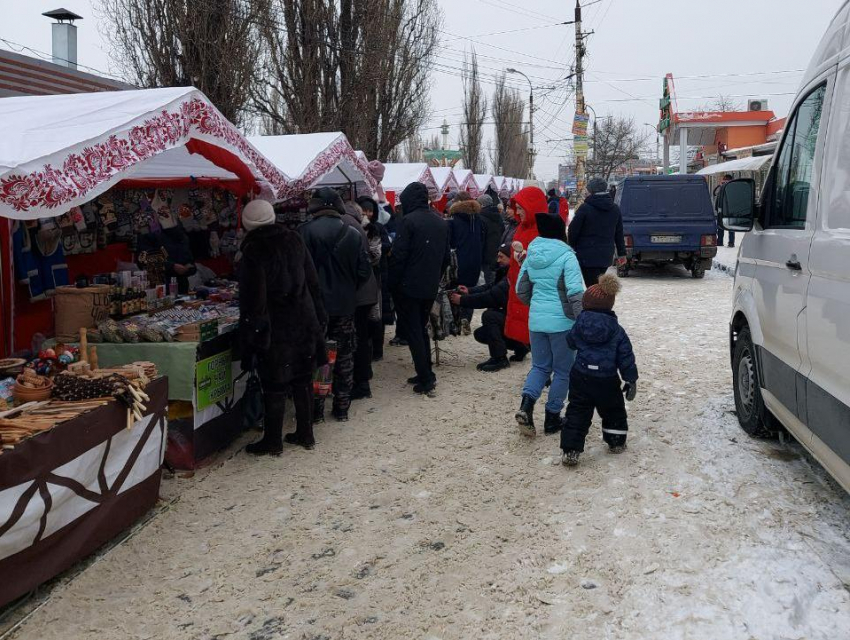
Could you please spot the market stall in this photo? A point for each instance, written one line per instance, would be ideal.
(128, 182)
(483, 181)
(317, 160)
(398, 175)
(466, 181)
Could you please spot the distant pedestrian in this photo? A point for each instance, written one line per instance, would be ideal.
(281, 320)
(467, 238)
(420, 256)
(377, 234)
(550, 282)
(596, 232)
(342, 263)
(726, 179)
(494, 228)
(603, 351)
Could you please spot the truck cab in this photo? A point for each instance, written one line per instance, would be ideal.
(668, 220)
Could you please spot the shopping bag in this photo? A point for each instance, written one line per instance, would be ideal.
(324, 376)
(252, 402)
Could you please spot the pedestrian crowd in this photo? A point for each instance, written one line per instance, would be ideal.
(332, 286)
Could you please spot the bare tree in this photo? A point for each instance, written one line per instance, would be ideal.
(359, 66)
(615, 141)
(510, 154)
(211, 44)
(474, 114)
(723, 104)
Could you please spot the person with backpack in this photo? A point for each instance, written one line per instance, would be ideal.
(343, 266)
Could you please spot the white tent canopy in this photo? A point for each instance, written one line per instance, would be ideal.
(445, 179)
(62, 151)
(754, 163)
(483, 180)
(398, 175)
(464, 178)
(316, 159)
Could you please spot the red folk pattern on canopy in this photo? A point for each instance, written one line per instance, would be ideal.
(324, 164)
(51, 187)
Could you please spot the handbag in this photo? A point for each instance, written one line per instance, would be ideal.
(253, 407)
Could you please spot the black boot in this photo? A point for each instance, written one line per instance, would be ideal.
(302, 397)
(496, 365)
(272, 441)
(525, 416)
(519, 355)
(318, 410)
(361, 391)
(487, 362)
(552, 424)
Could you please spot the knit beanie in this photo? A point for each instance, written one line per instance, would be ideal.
(326, 198)
(601, 296)
(257, 213)
(377, 170)
(505, 249)
(597, 185)
(485, 200)
(552, 227)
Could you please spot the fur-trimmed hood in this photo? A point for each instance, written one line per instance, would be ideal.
(469, 207)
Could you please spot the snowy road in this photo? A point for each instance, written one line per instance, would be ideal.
(433, 519)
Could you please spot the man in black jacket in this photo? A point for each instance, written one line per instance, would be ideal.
(494, 227)
(420, 256)
(493, 298)
(596, 232)
(343, 267)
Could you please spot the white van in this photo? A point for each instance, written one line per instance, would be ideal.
(790, 328)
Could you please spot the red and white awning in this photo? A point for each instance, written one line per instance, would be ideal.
(58, 152)
(317, 160)
(445, 179)
(398, 175)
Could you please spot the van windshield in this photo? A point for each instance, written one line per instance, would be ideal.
(674, 200)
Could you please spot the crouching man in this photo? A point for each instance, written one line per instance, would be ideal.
(493, 298)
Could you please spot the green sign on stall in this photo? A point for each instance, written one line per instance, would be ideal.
(213, 379)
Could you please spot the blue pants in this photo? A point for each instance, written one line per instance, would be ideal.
(550, 356)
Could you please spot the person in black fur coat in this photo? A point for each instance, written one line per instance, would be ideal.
(282, 324)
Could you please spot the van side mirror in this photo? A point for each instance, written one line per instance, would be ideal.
(737, 205)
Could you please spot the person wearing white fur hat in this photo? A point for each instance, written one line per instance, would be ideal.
(282, 323)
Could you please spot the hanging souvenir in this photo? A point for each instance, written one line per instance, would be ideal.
(106, 209)
(162, 211)
(77, 218)
(215, 244)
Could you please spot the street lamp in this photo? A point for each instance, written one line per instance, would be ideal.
(657, 146)
(530, 118)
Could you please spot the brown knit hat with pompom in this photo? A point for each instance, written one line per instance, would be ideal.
(601, 296)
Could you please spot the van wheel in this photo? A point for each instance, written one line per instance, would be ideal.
(752, 414)
(698, 271)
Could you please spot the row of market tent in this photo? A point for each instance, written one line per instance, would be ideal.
(62, 151)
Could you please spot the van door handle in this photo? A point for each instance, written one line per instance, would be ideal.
(794, 265)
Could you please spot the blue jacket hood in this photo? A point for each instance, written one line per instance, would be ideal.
(595, 327)
(546, 252)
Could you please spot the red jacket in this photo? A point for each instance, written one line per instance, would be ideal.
(533, 200)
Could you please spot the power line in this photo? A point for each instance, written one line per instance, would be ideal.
(49, 58)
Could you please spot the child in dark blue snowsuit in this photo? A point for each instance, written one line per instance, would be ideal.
(603, 354)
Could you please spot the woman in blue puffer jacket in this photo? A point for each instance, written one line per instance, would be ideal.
(550, 282)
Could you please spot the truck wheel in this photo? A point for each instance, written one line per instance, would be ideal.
(698, 271)
(753, 416)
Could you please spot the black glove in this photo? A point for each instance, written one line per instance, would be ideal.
(630, 390)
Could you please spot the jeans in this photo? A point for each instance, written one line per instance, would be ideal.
(550, 356)
(720, 233)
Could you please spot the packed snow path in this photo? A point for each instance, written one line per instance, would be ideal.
(433, 519)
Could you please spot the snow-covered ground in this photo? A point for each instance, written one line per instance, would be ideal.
(433, 519)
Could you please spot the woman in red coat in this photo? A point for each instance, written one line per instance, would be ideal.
(526, 204)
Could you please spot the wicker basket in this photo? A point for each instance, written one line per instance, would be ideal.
(25, 394)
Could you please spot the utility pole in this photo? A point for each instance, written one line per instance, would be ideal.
(581, 177)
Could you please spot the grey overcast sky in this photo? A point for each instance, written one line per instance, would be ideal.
(741, 48)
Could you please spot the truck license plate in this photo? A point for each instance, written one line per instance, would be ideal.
(666, 239)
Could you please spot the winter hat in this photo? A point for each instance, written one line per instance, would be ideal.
(505, 249)
(377, 170)
(460, 196)
(601, 296)
(465, 205)
(597, 185)
(257, 213)
(326, 198)
(552, 227)
(485, 200)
